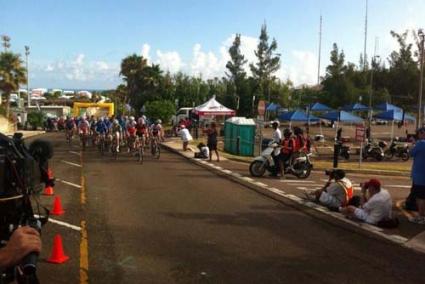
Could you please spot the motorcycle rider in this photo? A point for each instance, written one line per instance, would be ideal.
(286, 151)
(300, 143)
(276, 138)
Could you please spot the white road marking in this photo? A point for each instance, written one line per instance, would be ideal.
(296, 181)
(68, 183)
(302, 188)
(71, 164)
(75, 153)
(260, 183)
(401, 186)
(227, 172)
(61, 223)
(247, 178)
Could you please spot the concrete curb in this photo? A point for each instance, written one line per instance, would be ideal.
(357, 171)
(310, 208)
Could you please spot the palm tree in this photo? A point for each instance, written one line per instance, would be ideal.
(12, 73)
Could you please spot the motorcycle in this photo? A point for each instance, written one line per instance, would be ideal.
(374, 150)
(345, 151)
(397, 149)
(299, 166)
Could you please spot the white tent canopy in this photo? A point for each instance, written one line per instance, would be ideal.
(213, 108)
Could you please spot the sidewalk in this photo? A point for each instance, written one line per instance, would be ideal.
(27, 133)
(407, 234)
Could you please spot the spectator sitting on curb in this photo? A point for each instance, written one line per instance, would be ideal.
(204, 151)
(375, 204)
(186, 137)
(334, 194)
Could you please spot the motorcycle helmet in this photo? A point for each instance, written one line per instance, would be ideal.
(287, 133)
(298, 131)
(158, 121)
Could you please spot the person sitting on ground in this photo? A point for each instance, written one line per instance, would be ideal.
(185, 135)
(334, 194)
(375, 204)
(204, 151)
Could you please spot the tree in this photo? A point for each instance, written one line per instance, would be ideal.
(12, 73)
(160, 110)
(236, 74)
(268, 63)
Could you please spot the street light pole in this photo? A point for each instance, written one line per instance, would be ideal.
(419, 118)
(371, 89)
(27, 52)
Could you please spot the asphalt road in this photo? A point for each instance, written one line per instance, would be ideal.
(169, 221)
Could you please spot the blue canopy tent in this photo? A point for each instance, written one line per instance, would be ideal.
(273, 107)
(297, 116)
(387, 107)
(355, 107)
(394, 115)
(319, 107)
(342, 116)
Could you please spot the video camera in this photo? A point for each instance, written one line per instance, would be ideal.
(23, 171)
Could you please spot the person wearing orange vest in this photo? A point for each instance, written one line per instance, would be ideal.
(335, 194)
(300, 143)
(286, 150)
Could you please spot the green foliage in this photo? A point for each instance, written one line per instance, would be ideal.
(36, 119)
(160, 110)
(268, 63)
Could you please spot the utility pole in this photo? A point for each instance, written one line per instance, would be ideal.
(320, 50)
(371, 82)
(365, 39)
(27, 52)
(419, 121)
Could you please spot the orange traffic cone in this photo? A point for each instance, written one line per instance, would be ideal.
(48, 190)
(58, 256)
(57, 207)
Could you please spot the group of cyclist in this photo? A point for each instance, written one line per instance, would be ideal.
(118, 131)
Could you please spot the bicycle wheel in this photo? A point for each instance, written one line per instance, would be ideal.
(140, 154)
(157, 152)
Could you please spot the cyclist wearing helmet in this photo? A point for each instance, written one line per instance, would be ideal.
(83, 126)
(116, 133)
(101, 127)
(156, 130)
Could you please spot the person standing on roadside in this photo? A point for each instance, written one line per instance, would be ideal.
(418, 176)
(212, 140)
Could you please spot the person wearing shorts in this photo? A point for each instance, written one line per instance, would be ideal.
(418, 176)
(212, 140)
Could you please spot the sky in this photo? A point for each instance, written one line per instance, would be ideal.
(79, 44)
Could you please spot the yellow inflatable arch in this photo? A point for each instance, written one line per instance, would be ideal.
(96, 109)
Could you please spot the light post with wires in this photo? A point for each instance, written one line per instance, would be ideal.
(375, 62)
(419, 121)
(27, 52)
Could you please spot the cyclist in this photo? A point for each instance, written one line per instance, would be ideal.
(69, 127)
(156, 132)
(142, 131)
(130, 130)
(116, 133)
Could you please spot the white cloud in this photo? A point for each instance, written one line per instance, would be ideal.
(145, 51)
(169, 61)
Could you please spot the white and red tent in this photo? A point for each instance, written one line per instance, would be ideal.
(213, 108)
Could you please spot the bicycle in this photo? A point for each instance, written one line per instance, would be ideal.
(155, 150)
(83, 138)
(139, 146)
(68, 136)
(114, 147)
(101, 143)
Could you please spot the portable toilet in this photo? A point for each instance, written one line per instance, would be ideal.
(240, 139)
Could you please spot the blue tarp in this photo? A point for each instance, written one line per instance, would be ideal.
(319, 107)
(342, 116)
(387, 107)
(297, 115)
(273, 107)
(355, 107)
(394, 115)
